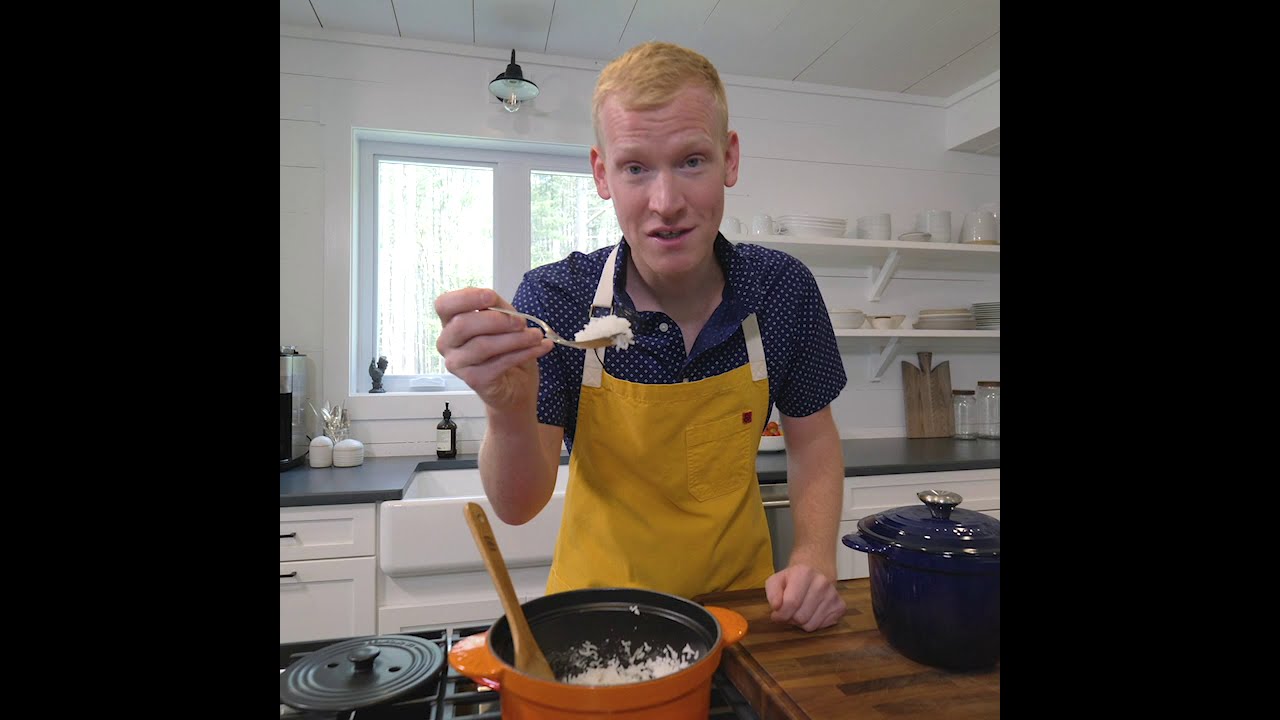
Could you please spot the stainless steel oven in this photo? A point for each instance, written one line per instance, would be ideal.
(777, 510)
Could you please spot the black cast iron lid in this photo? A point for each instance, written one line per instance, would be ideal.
(361, 672)
(938, 527)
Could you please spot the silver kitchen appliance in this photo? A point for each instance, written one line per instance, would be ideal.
(293, 403)
(782, 528)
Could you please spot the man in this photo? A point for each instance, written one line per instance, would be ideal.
(663, 435)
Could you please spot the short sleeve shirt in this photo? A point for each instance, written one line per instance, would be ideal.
(805, 369)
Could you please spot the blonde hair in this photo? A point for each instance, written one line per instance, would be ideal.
(650, 75)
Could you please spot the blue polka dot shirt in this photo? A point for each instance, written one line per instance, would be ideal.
(805, 370)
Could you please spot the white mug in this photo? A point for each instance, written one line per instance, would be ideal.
(935, 222)
(762, 225)
(979, 227)
(874, 227)
(994, 209)
(730, 225)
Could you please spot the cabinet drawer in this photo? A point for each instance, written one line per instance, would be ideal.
(323, 599)
(328, 531)
(868, 495)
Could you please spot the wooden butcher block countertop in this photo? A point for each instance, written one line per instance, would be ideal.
(844, 671)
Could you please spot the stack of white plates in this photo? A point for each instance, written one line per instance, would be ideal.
(988, 315)
(812, 225)
(946, 319)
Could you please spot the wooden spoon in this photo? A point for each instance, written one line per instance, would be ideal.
(529, 657)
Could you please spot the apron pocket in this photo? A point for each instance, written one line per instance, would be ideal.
(721, 456)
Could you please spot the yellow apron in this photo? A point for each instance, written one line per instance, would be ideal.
(663, 493)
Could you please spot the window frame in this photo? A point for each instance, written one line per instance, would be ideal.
(511, 162)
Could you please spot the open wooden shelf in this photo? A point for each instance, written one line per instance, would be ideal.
(893, 343)
(883, 258)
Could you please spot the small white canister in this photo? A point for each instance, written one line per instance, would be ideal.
(348, 453)
(321, 453)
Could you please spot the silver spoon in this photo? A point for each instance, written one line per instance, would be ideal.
(554, 337)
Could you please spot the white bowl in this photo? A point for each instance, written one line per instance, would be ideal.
(849, 319)
(887, 322)
(772, 443)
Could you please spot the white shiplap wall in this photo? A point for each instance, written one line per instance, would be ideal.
(805, 150)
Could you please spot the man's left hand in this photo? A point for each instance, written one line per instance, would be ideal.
(802, 596)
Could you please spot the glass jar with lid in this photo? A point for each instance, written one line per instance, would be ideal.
(964, 407)
(989, 410)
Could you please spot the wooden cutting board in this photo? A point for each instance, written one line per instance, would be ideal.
(844, 671)
(927, 392)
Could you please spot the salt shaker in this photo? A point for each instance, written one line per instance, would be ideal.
(964, 407)
(989, 410)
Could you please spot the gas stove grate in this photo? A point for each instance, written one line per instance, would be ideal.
(459, 698)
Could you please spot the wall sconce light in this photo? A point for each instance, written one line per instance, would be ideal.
(511, 88)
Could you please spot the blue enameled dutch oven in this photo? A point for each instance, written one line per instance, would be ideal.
(935, 580)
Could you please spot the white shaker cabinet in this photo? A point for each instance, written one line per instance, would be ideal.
(327, 569)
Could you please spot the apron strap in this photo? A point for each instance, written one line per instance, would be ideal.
(592, 368)
(755, 348)
(604, 288)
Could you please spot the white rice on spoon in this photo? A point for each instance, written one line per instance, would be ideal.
(619, 328)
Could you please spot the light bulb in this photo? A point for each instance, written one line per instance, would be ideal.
(512, 103)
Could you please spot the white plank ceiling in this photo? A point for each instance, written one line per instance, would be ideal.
(933, 48)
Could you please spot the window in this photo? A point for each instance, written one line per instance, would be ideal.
(568, 214)
(424, 210)
(434, 218)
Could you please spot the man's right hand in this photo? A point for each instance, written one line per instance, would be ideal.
(494, 354)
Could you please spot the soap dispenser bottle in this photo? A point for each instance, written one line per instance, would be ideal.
(447, 436)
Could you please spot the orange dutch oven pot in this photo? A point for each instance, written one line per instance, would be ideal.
(617, 622)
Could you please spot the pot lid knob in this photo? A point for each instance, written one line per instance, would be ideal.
(363, 657)
(940, 502)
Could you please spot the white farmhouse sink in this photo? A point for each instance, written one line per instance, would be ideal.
(426, 532)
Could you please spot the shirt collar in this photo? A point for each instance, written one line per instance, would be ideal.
(738, 300)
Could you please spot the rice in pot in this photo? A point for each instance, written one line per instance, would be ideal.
(638, 666)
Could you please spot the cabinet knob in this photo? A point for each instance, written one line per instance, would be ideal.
(288, 535)
(288, 575)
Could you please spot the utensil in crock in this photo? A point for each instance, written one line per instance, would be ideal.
(605, 617)
(935, 580)
(529, 657)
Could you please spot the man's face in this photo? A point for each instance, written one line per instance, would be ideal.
(666, 170)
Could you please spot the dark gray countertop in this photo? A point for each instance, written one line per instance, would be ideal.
(375, 480)
(385, 478)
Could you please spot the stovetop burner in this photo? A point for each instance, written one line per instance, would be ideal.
(459, 697)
